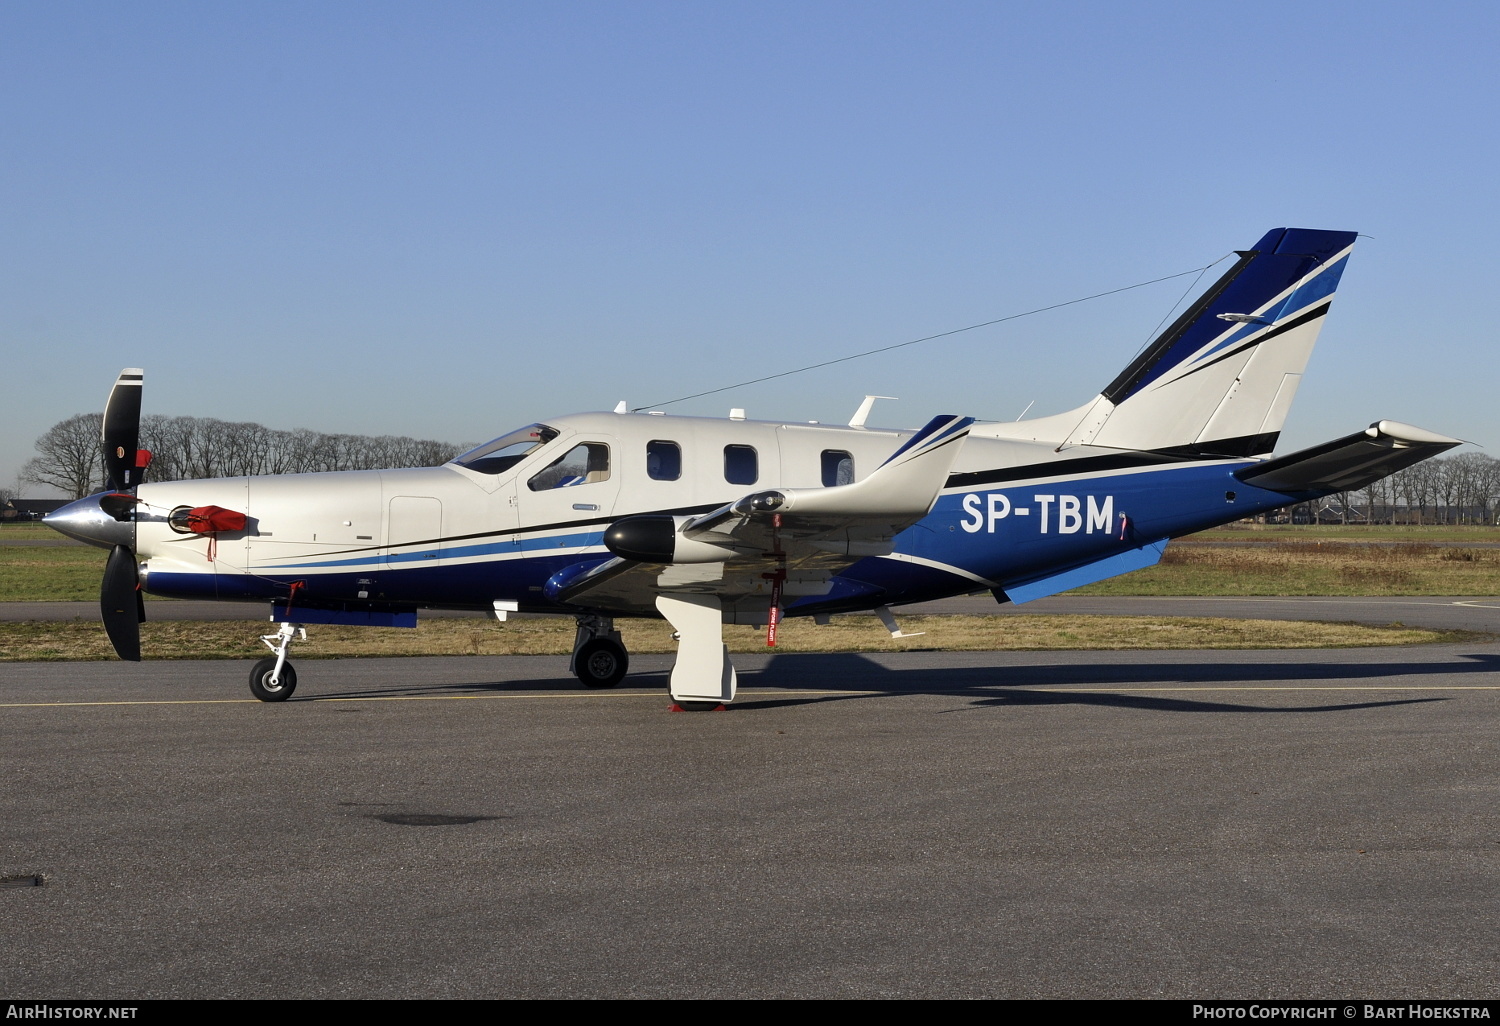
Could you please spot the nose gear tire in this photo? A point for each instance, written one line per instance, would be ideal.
(260, 681)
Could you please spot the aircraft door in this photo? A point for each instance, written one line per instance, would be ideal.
(578, 486)
(414, 530)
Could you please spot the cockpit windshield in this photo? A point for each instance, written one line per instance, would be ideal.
(506, 451)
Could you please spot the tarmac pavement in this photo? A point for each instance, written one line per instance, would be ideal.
(1177, 824)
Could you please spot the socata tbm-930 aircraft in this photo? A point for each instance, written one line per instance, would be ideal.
(706, 522)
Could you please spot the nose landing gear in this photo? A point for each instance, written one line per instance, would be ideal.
(273, 679)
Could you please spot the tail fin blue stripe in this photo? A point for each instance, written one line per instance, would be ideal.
(1311, 292)
(1279, 261)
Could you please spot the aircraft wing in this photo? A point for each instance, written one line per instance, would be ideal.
(737, 551)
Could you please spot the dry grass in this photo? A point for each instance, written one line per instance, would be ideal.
(1429, 534)
(81, 640)
(1301, 566)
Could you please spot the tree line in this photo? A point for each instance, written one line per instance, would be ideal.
(69, 457)
(1461, 489)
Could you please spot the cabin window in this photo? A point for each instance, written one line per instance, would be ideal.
(582, 464)
(838, 468)
(663, 461)
(741, 465)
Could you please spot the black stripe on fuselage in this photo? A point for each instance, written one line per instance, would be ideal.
(1242, 447)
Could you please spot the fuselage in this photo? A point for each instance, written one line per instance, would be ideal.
(1016, 511)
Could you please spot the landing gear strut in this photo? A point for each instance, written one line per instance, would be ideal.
(703, 678)
(599, 656)
(273, 679)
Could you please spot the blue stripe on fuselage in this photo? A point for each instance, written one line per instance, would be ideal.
(1321, 287)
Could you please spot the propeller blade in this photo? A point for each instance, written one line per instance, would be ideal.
(120, 436)
(120, 604)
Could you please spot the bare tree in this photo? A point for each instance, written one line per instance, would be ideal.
(69, 457)
(202, 447)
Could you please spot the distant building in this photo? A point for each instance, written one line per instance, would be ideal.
(30, 509)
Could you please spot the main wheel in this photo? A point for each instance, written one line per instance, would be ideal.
(260, 681)
(601, 663)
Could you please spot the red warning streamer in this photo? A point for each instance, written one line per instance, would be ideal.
(773, 620)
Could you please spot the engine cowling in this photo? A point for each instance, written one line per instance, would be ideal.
(658, 538)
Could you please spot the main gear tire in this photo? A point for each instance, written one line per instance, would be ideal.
(601, 663)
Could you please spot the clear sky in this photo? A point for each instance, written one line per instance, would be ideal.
(449, 219)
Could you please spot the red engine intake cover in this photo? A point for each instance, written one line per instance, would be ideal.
(212, 519)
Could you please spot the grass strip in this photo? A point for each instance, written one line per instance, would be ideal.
(74, 640)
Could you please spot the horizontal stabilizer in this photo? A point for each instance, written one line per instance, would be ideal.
(1351, 462)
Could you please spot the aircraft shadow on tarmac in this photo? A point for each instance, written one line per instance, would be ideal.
(1004, 686)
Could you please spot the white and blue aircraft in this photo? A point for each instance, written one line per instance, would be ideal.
(706, 522)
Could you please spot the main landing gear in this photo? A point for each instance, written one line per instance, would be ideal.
(703, 678)
(599, 656)
(273, 679)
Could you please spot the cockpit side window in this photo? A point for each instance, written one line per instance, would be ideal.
(583, 464)
(505, 452)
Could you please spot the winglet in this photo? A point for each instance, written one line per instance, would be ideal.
(938, 432)
(902, 489)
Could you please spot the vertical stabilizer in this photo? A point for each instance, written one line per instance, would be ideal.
(1220, 379)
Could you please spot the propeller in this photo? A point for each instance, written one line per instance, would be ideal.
(108, 519)
(124, 463)
(121, 605)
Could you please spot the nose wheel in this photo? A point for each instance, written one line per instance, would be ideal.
(269, 686)
(273, 679)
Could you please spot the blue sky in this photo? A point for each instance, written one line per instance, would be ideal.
(449, 219)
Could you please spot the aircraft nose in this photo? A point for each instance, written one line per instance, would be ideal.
(96, 519)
